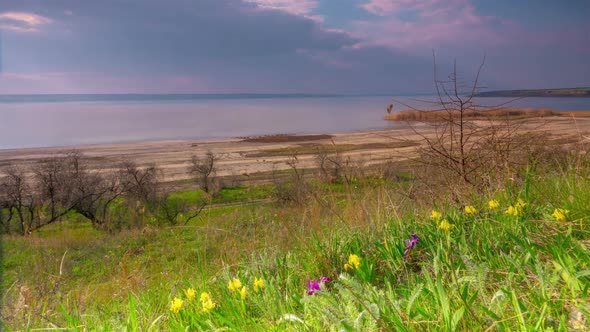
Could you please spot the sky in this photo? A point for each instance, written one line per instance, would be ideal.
(289, 46)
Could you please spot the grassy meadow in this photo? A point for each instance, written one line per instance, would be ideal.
(372, 254)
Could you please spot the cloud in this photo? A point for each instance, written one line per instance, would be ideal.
(374, 46)
(386, 7)
(422, 24)
(22, 21)
(297, 7)
(173, 35)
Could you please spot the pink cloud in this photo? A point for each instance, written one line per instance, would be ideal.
(296, 7)
(433, 23)
(22, 22)
(425, 7)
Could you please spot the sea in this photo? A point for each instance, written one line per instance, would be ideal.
(28, 121)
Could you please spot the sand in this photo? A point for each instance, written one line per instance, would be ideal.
(256, 160)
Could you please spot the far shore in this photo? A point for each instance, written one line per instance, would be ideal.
(254, 159)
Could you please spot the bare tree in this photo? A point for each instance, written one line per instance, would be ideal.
(94, 194)
(138, 183)
(18, 199)
(333, 166)
(467, 139)
(58, 186)
(203, 170)
(175, 210)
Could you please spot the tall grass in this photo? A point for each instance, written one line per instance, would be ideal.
(441, 115)
(489, 271)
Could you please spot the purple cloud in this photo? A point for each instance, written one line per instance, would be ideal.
(427, 24)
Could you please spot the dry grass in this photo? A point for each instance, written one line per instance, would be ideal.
(519, 113)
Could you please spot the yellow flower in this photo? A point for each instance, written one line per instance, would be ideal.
(208, 305)
(190, 293)
(354, 262)
(493, 204)
(520, 204)
(243, 293)
(445, 225)
(206, 302)
(205, 297)
(512, 211)
(234, 285)
(436, 215)
(560, 214)
(258, 284)
(176, 305)
(470, 209)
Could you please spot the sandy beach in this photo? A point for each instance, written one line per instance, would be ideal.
(254, 159)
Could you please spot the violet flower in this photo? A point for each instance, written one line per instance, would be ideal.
(314, 285)
(410, 244)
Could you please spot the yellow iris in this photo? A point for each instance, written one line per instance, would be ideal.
(190, 293)
(512, 211)
(560, 214)
(243, 293)
(208, 306)
(445, 225)
(354, 262)
(436, 215)
(258, 284)
(207, 302)
(176, 305)
(493, 204)
(234, 285)
(470, 209)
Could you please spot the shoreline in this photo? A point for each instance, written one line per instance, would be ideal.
(255, 160)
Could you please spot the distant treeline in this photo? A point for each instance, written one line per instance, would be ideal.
(565, 92)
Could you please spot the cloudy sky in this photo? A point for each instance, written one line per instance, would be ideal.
(287, 46)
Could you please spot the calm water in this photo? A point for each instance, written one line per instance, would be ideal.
(40, 121)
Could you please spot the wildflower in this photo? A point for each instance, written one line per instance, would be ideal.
(208, 306)
(243, 292)
(354, 262)
(445, 225)
(512, 211)
(520, 204)
(207, 302)
(493, 204)
(234, 285)
(205, 297)
(258, 284)
(314, 285)
(435, 215)
(410, 244)
(190, 293)
(470, 209)
(560, 214)
(176, 305)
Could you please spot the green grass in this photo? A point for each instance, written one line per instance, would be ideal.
(223, 196)
(491, 271)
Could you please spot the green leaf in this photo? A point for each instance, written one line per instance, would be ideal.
(457, 317)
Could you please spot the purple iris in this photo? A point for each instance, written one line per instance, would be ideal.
(314, 285)
(410, 244)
